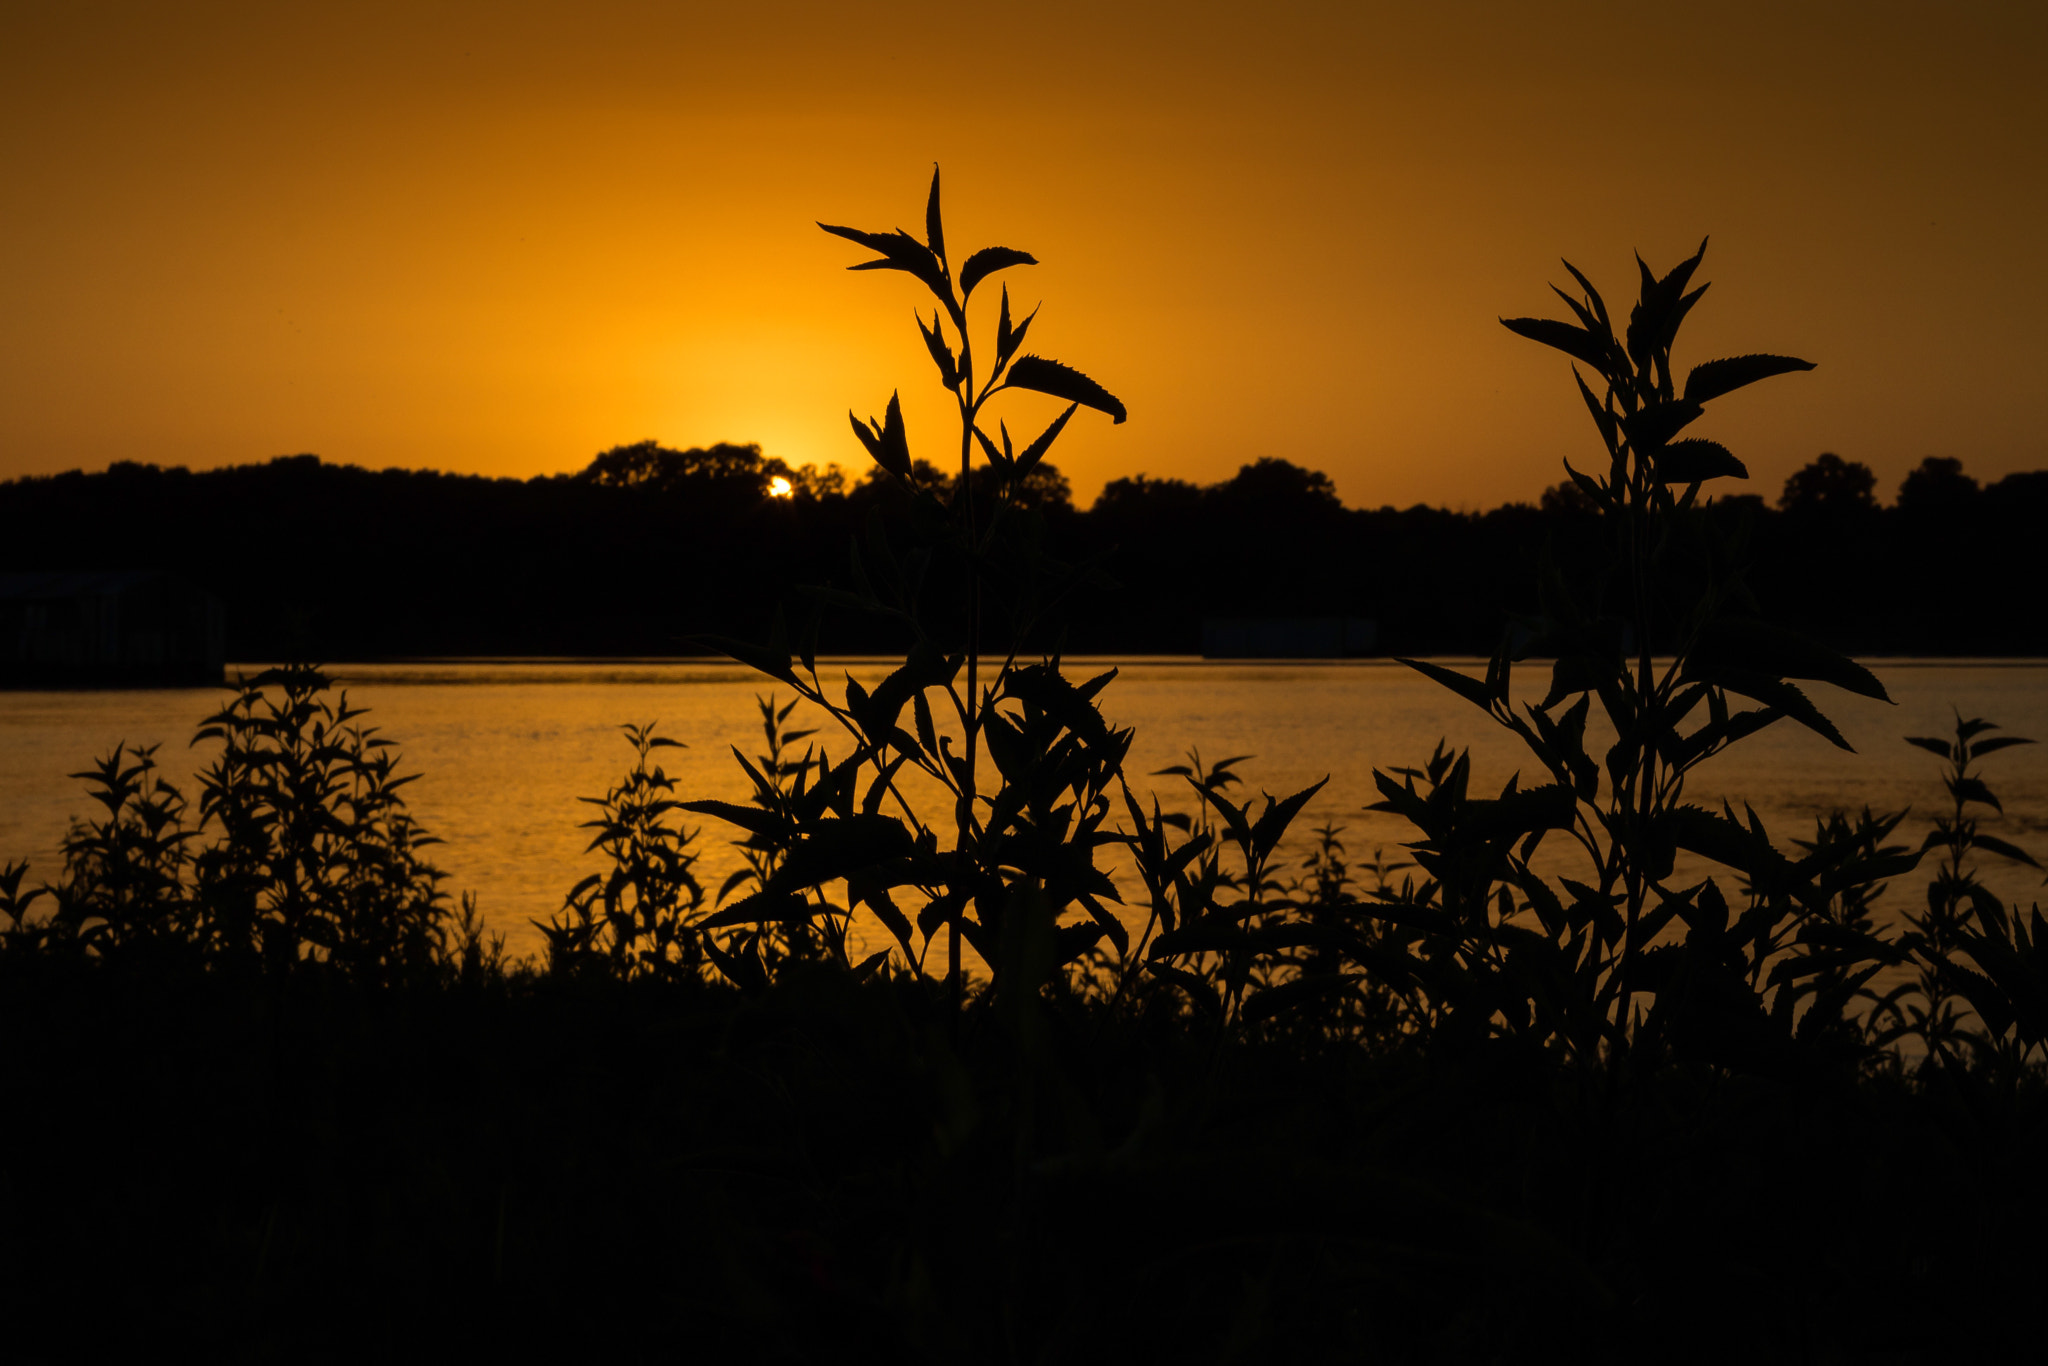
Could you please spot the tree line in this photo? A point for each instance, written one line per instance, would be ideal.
(648, 546)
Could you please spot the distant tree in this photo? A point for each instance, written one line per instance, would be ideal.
(1937, 487)
(1140, 495)
(2026, 491)
(727, 466)
(1272, 482)
(1042, 489)
(650, 465)
(1568, 498)
(1830, 483)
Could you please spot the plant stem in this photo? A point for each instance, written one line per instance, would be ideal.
(965, 818)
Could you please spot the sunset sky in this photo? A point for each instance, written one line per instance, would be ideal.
(501, 237)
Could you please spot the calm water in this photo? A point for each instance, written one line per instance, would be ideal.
(507, 748)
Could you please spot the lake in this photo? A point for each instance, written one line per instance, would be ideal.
(507, 747)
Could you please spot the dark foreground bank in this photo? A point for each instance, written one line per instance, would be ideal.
(302, 1170)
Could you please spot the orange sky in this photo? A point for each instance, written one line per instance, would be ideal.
(502, 237)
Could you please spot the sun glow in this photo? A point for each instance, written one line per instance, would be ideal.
(778, 487)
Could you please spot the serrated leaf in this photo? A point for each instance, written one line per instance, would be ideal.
(987, 262)
(1575, 342)
(781, 907)
(1754, 646)
(942, 354)
(1717, 377)
(751, 818)
(1778, 695)
(1695, 459)
(1063, 381)
(899, 251)
(1655, 425)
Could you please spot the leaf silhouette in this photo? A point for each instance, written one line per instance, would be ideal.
(942, 354)
(1755, 645)
(892, 451)
(1063, 381)
(1659, 422)
(934, 233)
(1689, 461)
(1472, 690)
(1035, 452)
(1008, 339)
(987, 262)
(1718, 377)
(1575, 342)
(899, 251)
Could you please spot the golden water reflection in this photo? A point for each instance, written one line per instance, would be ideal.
(507, 747)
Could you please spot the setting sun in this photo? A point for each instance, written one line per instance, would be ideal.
(778, 487)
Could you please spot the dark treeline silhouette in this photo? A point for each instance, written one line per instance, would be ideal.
(648, 545)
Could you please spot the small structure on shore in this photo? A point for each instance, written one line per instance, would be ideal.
(128, 628)
(1288, 637)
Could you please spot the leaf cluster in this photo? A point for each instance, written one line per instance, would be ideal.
(303, 856)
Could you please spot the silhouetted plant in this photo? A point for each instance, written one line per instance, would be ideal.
(1496, 949)
(318, 854)
(24, 932)
(2008, 986)
(638, 918)
(757, 950)
(1223, 932)
(1039, 821)
(125, 886)
(303, 854)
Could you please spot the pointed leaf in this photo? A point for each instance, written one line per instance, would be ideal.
(895, 456)
(1655, 425)
(761, 658)
(934, 234)
(1473, 690)
(1758, 647)
(1718, 377)
(1999, 846)
(1035, 452)
(1575, 342)
(987, 262)
(750, 818)
(899, 251)
(942, 354)
(1063, 381)
(1695, 459)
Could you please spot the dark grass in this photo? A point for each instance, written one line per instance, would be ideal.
(304, 1169)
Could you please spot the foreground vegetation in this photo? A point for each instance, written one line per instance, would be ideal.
(1229, 1104)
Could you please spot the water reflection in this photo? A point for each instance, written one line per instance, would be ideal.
(507, 746)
